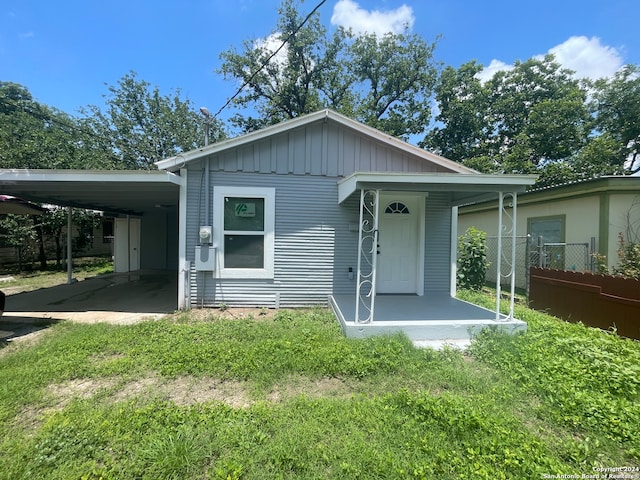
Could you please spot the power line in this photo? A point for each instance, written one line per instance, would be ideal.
(286, 40)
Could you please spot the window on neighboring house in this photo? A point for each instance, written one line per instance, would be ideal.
(546, 237)
(244, 231)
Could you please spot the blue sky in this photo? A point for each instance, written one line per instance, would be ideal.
(65, 51)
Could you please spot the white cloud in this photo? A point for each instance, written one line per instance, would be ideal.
(587, 57)
(271, 44)
(349, 14)
(494, 66)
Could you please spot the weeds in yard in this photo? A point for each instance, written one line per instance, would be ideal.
(586, 379)
(317, 405)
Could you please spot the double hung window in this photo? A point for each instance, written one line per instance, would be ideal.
(244, 231)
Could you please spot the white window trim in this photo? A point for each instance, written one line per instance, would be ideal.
(269, 196)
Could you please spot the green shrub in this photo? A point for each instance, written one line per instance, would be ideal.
(628, 258)
(472, 259)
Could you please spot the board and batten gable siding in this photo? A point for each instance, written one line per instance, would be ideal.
(322, 149)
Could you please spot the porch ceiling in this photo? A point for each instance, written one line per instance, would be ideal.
(464, 188)
(124, 192)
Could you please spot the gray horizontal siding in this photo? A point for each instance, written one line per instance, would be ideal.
(313, 245)
(437, 257)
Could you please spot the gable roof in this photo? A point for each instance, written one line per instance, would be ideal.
(178, 161)
(621, 184)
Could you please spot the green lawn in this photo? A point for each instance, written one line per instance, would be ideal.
(83, 268)
(290, 397)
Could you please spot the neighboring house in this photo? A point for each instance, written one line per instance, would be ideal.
(322, 208)
(567, 223)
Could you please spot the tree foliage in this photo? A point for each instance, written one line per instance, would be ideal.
(383, 81)
(140, 126)
(34, 135)
(522, 120)
(537, 118)
(617, 107)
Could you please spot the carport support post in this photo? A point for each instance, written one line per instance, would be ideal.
(69, 253)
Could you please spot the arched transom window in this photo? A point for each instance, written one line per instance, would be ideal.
(396, 207)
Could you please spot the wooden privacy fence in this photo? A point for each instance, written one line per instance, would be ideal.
(601, 301)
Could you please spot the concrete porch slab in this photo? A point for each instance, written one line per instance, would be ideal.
(432, 320)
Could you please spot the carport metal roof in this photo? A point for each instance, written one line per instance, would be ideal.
(111, 191)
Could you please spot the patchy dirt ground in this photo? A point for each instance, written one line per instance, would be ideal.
(230, 313)
(187, 390)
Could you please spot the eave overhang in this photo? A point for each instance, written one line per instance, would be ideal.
(464, 187)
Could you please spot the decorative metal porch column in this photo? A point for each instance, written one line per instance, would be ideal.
(508, 229)
(367, 256)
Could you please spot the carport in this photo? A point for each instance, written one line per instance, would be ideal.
(148, 199)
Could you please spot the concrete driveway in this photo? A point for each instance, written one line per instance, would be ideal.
(121, 298)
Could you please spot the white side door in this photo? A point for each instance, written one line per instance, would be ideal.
(126, 249)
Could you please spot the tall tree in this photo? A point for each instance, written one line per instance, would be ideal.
(34, 135)
(278, 85)
(462, 124)
(617, 106)
(141, 126)
(384, 81)
(540, 105)
(524, 120)
(395, 76)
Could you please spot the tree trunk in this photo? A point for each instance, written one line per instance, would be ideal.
(42, 256)
(56, 236)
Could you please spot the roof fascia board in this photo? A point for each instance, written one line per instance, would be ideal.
(183, 158)
(480, 183)
(130, 176)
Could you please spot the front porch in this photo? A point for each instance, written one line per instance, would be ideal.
(429, 320)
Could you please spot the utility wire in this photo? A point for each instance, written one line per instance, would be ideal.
(286, 40)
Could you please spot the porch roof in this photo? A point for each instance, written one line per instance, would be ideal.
(464, 187)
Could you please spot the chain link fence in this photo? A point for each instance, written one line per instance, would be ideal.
(535, 252)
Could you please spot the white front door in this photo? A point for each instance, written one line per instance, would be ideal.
(399, 260)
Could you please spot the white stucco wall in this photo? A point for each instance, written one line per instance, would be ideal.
(581, 218)
(624, 216)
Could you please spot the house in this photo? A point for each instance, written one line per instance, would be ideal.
(562, 226)
(325, 209)
(318, 210)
